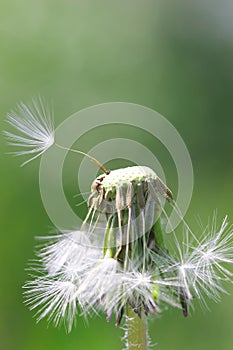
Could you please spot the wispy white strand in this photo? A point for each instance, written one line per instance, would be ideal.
(55, 299)
(101, 284)
(71, 251)
(35, 125)
(199, 266)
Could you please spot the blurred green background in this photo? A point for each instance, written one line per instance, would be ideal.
(173, 56)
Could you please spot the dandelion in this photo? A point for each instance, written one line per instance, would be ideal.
(119, 261)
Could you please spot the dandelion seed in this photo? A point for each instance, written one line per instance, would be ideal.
(35, 125)
(54, 298)
(200, 266)
(66, 250)
(101, 284)
(212, 254)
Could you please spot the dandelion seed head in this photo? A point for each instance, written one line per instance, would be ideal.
(134, 174)
(130, 265)
(123, 182)
(129, 199)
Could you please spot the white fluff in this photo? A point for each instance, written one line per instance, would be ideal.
(35, 126)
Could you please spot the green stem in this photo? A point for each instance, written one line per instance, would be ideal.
(136, 330)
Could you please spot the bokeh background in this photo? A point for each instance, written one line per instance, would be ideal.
(173, 56)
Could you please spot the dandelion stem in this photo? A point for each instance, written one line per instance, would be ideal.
(136, 331)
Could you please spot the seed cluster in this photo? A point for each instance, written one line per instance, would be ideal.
(129, 200)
